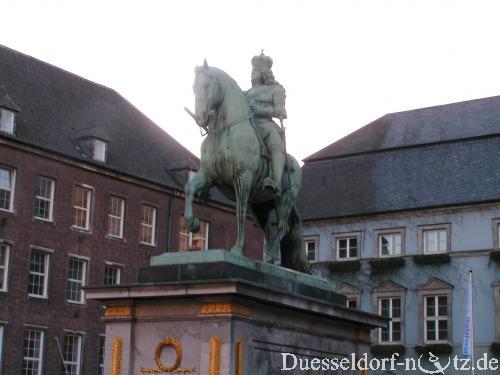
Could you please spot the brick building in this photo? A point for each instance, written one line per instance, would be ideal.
(90, 189)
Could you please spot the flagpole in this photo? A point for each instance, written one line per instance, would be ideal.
(472, 322)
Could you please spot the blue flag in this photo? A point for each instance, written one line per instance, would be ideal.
(467, 347)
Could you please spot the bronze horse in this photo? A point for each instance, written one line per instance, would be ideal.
(232, 160)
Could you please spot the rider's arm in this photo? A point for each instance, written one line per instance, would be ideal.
(279, 102)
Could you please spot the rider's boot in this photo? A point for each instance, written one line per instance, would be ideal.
(278, 165)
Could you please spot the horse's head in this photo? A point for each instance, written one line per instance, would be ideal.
(208, 94)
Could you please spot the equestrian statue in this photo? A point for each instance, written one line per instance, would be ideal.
(244, 156)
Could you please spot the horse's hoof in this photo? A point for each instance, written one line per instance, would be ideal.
(271, 256)
(194, 225)
(237, 250)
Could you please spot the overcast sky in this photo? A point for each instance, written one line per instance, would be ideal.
(343, 63)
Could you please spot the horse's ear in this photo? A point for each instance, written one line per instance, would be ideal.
(205, 64)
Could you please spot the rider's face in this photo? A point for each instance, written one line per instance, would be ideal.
(256, 76)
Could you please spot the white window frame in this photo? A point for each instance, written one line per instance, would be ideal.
(392, 243)
(496, 233)
(50, 199)
(38, 359)
(424, 231)
(380, 233)
(7, 121)
(2, 340)
(89, 191)
(348, 253)
(82, 282)
(99, 150)
(436, 319)
(393, 319)
(112, 217)
(437, 240)
(496, 291)
(101, 358)
(44, 274)
(151, 226)
(118, 274)
(315, 240)
(78, 362)
(11, 189)
(5, 267)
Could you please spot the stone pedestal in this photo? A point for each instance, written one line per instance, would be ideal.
(212, 313)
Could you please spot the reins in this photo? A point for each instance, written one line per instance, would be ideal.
(227, 127)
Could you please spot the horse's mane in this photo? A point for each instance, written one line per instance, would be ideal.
(231, 89)
(226, 78)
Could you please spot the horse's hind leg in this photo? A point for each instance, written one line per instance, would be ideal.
(197, 183)
(242, 182)
(262, 213)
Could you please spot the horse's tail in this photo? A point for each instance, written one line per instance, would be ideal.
(292, 248)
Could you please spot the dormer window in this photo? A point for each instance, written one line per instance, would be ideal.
(99, 150)
(7, 121)
(8, 111)
(92, 143)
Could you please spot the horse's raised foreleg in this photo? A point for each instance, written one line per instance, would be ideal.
(197, 183)
(242, 182)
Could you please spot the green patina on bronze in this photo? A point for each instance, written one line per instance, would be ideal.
(243, 155)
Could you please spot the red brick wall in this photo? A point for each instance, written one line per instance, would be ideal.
(22, 231)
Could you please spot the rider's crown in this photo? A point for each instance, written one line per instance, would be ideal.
(262, 62)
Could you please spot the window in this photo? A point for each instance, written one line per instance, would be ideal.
(39, 272)
(496, 233)
(72, 354)
(33, 352)
(347, 248)
(81, 207)
(99, 150)
(112, 275)
(148, 225)
(7, 183)
(115, 217)
(352, 303)
(353, 295)
(76, 280)
(436, 319)
(189, 241)
(4, 266)
(1, 346)
(44, 199)
(391, 308)
(434, 239)
(311, 245)
(434, 299)
(496, 290)
(102, 343)
(389, 244)
(7, 121)
(389, 301)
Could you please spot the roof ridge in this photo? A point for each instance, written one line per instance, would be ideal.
(405, 147)
(442, 105)
(56, 67)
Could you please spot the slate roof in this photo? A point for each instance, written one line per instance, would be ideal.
(473, 118)
(432, 157)
(58, 108)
